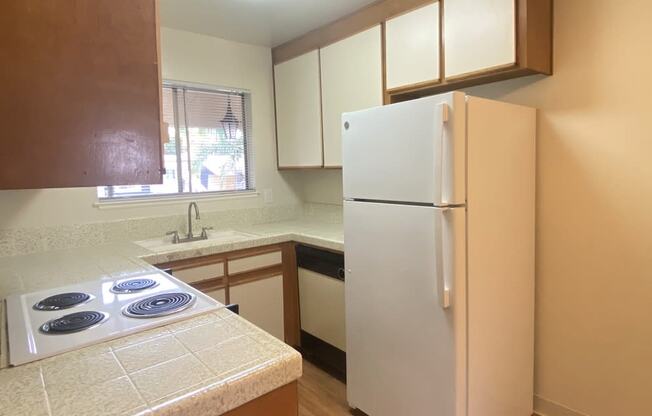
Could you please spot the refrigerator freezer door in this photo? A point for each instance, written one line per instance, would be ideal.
(401, 355)
(407, 152)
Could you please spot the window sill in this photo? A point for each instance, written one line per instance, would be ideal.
(170, 200)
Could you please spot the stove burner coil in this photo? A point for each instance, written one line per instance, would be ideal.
(62, 301)
(74, 322)
(133, 285)
(159, 305)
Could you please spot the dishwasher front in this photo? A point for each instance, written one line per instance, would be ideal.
(321, 304)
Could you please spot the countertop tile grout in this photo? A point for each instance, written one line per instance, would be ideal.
(45, 391)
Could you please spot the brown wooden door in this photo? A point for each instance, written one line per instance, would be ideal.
(80, 93)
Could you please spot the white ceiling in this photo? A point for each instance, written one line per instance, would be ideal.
(258, 22)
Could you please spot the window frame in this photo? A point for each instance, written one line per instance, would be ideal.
(247, 125)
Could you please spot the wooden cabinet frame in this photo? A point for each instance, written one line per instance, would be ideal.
(533, 45)
(287, 268)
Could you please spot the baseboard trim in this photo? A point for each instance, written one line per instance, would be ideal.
(545, 407)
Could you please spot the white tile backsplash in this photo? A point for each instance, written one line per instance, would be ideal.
(329, 213)
(28, 240)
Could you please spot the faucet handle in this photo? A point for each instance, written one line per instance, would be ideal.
(175, 236)
(204, 234)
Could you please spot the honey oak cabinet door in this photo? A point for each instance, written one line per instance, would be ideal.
(261, 303)
(478, 35)
(298, 111)
(80, 93)
(412, 47)
(351, 79)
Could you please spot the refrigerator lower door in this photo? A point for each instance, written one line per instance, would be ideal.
(401, 352)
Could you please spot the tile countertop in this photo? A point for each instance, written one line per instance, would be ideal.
(317, 233)
(205, 365)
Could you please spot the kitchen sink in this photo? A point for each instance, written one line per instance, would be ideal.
(163, 244)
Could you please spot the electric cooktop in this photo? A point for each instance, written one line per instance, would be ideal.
(50, 322)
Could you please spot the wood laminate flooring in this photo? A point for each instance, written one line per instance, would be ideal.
(321, 394)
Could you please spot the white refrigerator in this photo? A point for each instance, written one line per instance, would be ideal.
(439, 257)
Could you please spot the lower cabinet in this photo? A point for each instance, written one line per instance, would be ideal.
(262, 281)
(261, 303)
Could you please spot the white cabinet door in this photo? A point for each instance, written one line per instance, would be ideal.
(478, 35)
(412, 47)
(261, 303)
(351, 79)
(298, 111)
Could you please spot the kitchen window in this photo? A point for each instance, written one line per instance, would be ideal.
(208, 148)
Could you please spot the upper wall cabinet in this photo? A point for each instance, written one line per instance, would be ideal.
(298, 112)
(430, 47)
(478, 35)
(481, 42)
(80, 93)
(351, 79)
(412, 47)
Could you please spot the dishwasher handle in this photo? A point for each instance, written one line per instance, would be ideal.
(324, 262)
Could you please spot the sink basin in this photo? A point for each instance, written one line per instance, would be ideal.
(162, 244)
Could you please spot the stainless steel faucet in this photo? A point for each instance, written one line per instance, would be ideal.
(190, 237)
(192, 204)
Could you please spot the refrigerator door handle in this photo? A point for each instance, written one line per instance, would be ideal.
(443, 253)
(442, 158)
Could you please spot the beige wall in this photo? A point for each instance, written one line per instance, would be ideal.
(320, 186)
(594, 202)
(185, 57)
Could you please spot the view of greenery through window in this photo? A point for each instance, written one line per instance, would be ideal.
(207, 148)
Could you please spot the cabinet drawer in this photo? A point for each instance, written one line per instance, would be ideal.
(259, 261)
(197, 274)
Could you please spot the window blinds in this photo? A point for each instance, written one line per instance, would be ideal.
(208, 147)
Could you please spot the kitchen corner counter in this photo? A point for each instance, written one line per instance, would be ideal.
(205, 365)
(317, 233)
